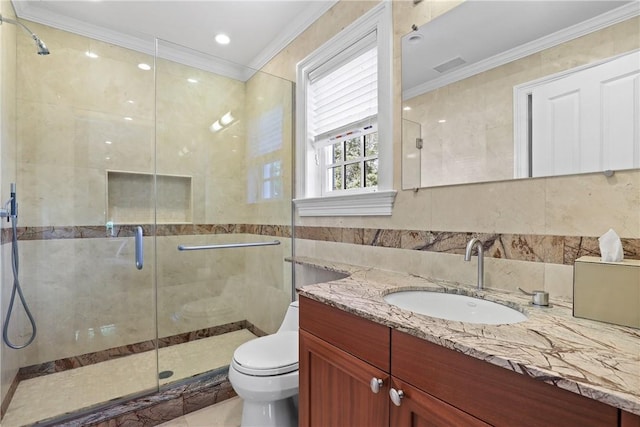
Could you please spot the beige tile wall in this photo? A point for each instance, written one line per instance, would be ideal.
(9, 359)
(584, 205)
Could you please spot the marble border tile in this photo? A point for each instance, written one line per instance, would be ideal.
(519, 247)
(7, 399)
(74, 362)
(168, 403)
(90, 231)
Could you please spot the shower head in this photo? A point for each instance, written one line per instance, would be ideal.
(42, 48)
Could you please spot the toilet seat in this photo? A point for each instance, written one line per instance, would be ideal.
(270, 355)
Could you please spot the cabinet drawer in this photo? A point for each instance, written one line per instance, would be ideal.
(496, 395)
(364, 339)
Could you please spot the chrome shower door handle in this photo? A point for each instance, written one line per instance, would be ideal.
(139, 248)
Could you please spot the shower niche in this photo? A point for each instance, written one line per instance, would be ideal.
(130, 198)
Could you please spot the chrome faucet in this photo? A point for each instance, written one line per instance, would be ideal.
(467, 257)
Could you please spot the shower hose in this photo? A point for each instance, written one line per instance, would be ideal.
(15, 264)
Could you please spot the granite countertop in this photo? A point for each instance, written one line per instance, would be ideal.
(594, 359)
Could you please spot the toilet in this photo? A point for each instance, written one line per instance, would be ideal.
(264, 373)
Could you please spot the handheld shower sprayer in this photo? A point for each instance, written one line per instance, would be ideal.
(11, 212)
(42, 48)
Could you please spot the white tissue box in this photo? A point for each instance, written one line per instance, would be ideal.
(607, 291)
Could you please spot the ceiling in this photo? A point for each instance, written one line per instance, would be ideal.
(258, 29)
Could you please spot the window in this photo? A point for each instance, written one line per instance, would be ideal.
(344, 122)
(350, 161)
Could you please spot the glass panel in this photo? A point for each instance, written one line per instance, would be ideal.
(336, 178)
(90, 177)
(371, 144)
(353, 179)
(371, 173)
(353, 148)
(240, 174)
(337, 152)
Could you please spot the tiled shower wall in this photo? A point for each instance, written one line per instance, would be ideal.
(547, 212)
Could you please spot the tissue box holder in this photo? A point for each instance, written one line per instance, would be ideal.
(607, 291)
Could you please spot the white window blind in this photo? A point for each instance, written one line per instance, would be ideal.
(344, 90)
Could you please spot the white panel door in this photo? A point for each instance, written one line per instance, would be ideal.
(588, 121)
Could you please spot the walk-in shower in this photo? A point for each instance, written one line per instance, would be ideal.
(121, 157)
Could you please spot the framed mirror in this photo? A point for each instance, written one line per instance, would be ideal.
(499, 90)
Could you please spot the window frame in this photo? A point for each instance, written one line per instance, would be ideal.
(308, 188)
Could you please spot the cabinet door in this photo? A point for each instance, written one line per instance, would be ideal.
(420, 409)
(335, 388)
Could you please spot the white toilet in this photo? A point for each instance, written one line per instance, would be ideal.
(264, 373)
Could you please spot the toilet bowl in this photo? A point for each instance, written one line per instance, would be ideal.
(264, 373)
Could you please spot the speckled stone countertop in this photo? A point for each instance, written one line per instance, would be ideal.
(596, 360)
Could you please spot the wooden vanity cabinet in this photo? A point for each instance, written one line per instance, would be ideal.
(628, 419)
(341, 353)
(339, 356)
(419, 409)
(495, 395)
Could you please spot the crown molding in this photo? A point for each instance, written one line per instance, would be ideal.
(146, 43)
(599, 22)
(311, 14)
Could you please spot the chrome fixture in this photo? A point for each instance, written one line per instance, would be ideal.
(227, 246)
(467, 257)
(42, 48)
(540, 298)
(10, 211)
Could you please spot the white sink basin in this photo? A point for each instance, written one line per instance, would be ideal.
(455, 307)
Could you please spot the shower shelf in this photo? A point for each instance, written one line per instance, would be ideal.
(130, 198)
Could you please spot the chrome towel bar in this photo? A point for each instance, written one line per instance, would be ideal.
(227, 246)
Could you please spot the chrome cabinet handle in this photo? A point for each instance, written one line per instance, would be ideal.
(396, 396)
(376, 383)
(139, 248)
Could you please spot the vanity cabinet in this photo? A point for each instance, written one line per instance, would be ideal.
(340, 355)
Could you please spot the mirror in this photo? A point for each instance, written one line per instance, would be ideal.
(497, 90)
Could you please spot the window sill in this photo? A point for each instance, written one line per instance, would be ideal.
(379, 203)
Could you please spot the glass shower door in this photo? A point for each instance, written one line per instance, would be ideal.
(85, 183)
(224, 177)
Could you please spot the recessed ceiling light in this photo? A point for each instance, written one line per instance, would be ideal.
(128, 119)
(131, 101)
(108, 142)
(192, 80)
(143, 66)
(91, 55)
(407, 108)
(222, 39)
(442, 121)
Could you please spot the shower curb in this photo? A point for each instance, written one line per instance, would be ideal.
(169, 403)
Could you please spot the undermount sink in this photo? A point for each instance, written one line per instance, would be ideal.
(461, 308)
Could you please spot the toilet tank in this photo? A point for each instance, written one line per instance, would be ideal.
(290, 322)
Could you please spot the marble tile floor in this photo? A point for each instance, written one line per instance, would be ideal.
(68, 391)
(223, 414)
